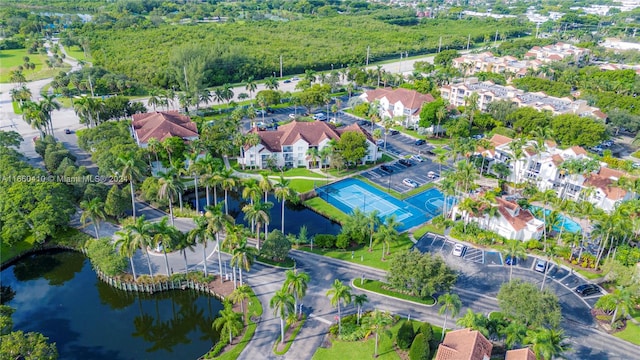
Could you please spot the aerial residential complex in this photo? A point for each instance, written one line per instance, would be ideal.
(398, 102)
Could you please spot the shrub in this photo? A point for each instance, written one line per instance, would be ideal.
(105, 258)
(276, 247)
(534, 245)
(342, 241)
(405, 335)
(324, 240)
(426, 330)
(419, 349)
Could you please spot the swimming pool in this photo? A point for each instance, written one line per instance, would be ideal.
(569, 225)
(350, 194)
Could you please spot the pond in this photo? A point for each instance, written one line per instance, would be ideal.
(295, 215)
(59, 295)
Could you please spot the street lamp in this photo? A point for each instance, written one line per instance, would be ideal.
(331, 67)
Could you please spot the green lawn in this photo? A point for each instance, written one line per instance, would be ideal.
(76, 52)
(11, 59)
(254, 309)
(8, 252)
(630, 334)
(379, 287)
(326, 209)
(304, 185)
(363, 256)
(425, 229)
(356, 350)
(16, 108)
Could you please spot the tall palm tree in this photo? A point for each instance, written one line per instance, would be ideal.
(359, 300)
(48, 104)
(257, 213)
(250, 85)
(376, 322)
(228, 321)
(142, 235)
(388, 233)
(514, 333)
(200, 234)
(266, 187)
(620, 301)
(295, 283)
(283, 192)
(339, 293)
(515, 250)
(170, 186)
(228, 182)
(184, 243)
(243, 256)
(166, 235)
(373, 223)
(126, 246)
(154, 99)
(450, 304)
(238, 296)
(130, 168)
(547, 343)
(94, 210)
(282, 304)
(217, 221)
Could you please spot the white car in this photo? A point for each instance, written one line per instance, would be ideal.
(458, 250)
(292, 116)
(379, 142)
(261, 113)
(541, 266)
(417, 158)
(431, 175)
(410, 183)
(320, 117)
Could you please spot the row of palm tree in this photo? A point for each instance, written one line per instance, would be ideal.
(285, 301)
(38, 113)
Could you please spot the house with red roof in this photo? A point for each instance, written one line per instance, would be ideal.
(398, 103)
(464, 344)
(520, 354)
(289, 145)
(161, 125)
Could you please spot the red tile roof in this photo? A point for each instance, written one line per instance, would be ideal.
(464, 344)
(498, 140)
(520, 354)
(606, 186)
(518, 222)
(557, 159)
(578, 150)
(410, 99)
(162, 125)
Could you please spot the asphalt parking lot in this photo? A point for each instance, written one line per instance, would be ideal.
(417, 172)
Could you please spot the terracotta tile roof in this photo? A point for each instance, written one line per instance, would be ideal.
(410, 99)
(599, 114)
(605, 184)
(578, 150)
(555, 57)
(530, 151)
(313, 133)
(498, 140)
(557, 159)
(162, 125)
(518, 222)
(550, 143)
(610, 173)
(520, 354)
(464, 344)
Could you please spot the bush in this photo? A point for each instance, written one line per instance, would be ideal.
(342, 241)
(534, 245)
(324, 240)
(419, 349)
(427, 331)
(405, 335)
(276, 247)
(104, 258)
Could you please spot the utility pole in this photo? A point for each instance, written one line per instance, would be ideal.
(537, 28)
(495, 41)
(368, 50)
(400, 64)
(280, 65)
(468, 41)
(440, 44)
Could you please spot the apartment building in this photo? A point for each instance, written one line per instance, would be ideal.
(398, 103)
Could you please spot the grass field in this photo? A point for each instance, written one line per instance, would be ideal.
(76, 53)
(326, 209)
(630, 334)
(380, 288)
(304, 185)
(363, 256)
(11, 59)
(427, 228)
(8, 252)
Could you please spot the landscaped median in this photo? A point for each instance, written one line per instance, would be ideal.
(281, 349)
(384, 289)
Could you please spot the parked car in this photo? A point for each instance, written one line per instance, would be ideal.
(320, 117)
(405, 162)
(292, 116)
(364, 123)
(588, 289)
(477, 136)
(261, 112)
(420, 142)
(511, 260)
(541, 266)
(458, 250)
(379, 142)
(295, 78)
(394, 132)
(417, 158)
(410, 183)
(67, 131)
(386, 168)
(287, 81)
(431, 175)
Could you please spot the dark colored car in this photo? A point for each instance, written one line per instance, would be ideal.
(386, 168)
(588, 289)
(405, 162)
(287, 81)
(511, 260)
(364, 123)
(67, 131)
(420, 142)
(394, 132)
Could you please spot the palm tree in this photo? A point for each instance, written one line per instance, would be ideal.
(228, 321)
(474, 321)
(250, 85)
(183, 244)
(283, 192)
(338, 293)
(48, 103)
(359, 300)
(620, 301)
(266, 187)
(199, 235)
(142, 235)
(441, 114)
(376, 322)
(515, 249)
(217, 221)
(257, 213)
(239, 295)
(154, 99)
(228, 182)
(130, 167)
(166, 235)
(243, 257)
(388, 233)
(450, 304)
(94, 210)
(373, 219)
(471, 106)
(170, 186)
(282, 304)
(126, 246)
(514, 333)
(295, 283)
(546, 343)
(314, 154)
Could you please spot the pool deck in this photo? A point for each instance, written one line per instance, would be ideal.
(584, 224)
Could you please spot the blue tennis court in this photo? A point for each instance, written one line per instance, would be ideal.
(350, 194)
